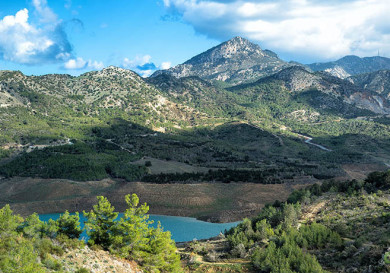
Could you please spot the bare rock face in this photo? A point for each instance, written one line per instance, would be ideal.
(378, 82)
(338, 71)
(235, 61)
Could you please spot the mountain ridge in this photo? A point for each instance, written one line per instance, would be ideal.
(352, 65)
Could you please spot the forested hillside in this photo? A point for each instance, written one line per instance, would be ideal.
(332, 227)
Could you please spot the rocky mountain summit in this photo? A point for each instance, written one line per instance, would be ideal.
(352, 65)
(235, 61)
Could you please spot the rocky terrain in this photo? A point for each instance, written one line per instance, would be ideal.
(297, 79)
(352, 65)
(235, 61)
(378, 82)
(96, 261)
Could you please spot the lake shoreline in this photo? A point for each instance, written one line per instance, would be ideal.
(183, 229)
(209, 202)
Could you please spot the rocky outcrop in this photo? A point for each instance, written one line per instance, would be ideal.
(378, 82)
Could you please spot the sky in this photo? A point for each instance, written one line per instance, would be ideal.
(75, 36)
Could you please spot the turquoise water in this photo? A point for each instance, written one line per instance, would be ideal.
(182, 228)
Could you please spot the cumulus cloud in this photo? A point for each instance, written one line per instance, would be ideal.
(25, 43)
(166, 65)
(143, 65)
(80, 63)
(305, 29)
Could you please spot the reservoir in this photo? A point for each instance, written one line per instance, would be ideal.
(182, 228)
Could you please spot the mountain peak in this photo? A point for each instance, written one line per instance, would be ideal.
(112, 71)
(241, 41)
(236, 60)
(238, 38)
(237, 47)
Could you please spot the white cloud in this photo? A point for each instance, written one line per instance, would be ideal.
(80, 63)
(303, 28)
(46, 14)
(145, 73)
(166, 65)
(143, 65)
(23, 42)
(137, 61)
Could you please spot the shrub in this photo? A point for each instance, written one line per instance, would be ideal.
(318, 236)
(148, 163)
(82, 270)
(288, 257)
(51, 263)
(70, 243)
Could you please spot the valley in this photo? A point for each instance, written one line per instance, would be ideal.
(233, 134)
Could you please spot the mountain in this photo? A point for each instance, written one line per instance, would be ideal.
(199, 94)
(56, 105)
(378, 82)
(338, 91)
(235, 61)
(352, 65)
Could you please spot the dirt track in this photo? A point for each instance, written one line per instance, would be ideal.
(215, 202)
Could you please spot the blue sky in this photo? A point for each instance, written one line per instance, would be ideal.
(75, 36)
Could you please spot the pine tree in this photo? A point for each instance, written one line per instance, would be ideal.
(100, 223)
(131, 231)
(161, 253)
(16, 253)
(69, 225)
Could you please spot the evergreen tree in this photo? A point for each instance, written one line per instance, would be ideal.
(100, 223)
(160, 253)
(16, 253)
(131, 231)
(69, 225)
(8, 222)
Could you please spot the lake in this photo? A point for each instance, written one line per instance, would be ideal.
(182, 228)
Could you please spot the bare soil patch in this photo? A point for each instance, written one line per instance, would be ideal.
(360, 171)
(217, 202)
